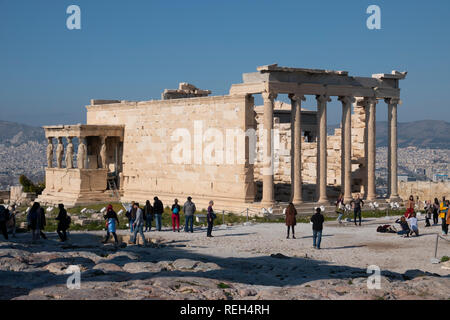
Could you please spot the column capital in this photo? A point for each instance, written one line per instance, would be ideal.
(296, 97)
(347, 99)
(322, 98)
(393, 101)
(269, 95)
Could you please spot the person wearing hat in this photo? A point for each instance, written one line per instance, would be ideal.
(189, 210)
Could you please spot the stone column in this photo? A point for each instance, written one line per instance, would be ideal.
(59, 153)
(322, 147)
(50, 152)
(296, 159)
(268, 198)
(393, 165)
(69, 153)
(81, 154)
(371, 104)
(103, 152)
(347, 145)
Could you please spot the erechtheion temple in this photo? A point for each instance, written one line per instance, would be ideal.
(226, 149)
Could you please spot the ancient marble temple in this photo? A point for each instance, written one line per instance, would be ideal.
(130, 150)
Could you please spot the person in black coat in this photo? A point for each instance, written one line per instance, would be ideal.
(148, 215)
(317, 221)
(63, 224)
(158, 209)
(42, 222)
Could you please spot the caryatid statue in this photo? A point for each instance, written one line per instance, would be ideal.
(81, 154)
(103, 152)
(50, 153)
(59, 153)
(69, 153)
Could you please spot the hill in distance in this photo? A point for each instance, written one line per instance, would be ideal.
(14, 134)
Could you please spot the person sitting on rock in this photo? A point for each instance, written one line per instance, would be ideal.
(405, 227)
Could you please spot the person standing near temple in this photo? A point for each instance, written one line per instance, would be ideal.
(139, 224)
(42, 222)
(148, 215)
(340, 207)
(436, 208)
(33, 219)
(410, 204)
(358, 203)
(176, 215)
(158, 209)
(291, 221)
(112, 221)
(4, 217)
(189, 210)
(131, 215)
(63, 223)
(210, 218)
(317, 226)
(443, 215)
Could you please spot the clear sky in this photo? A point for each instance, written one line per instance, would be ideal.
(133, 50)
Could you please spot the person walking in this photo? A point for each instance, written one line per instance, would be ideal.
(317, 226)
(63, 223)
(291, 221)
(138, 225)
(358, 203)
(158, 209)
(148, 214)
(112, 221)
(340, 208)
(33, 219)
(4, 217)
(176, 215)
(210, 218)
(436, 208)
(410, 204)
(189, 210)
(443, 215)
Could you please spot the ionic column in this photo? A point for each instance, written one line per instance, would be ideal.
(371, 104)
(347, 145)
(268, 198)
(393, 164)
(322, 147)
(296, 160)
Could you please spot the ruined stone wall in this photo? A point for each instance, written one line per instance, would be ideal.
(150, 153)
(425, 190)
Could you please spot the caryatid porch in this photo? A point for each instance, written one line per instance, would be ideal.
(270, 81)
(98, 155)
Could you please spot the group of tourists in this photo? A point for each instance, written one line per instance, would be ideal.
(317, 221)
(143, 218)
(356, 203)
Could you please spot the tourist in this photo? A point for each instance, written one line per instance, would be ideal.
(63, 223)
(428, 212)
(291, 221)
(158, 209)
(176, 215)
(33, 219)
(138, 224)
(340, 207)
(148, 215)
(11, 223)
(436, 208)
(4, 217)
(413, 224)
(405, 227)
(210, 218)
(448, 217)
(317, 225)
(131, 215)
(189, 210)
(111, 220)
(358, 203)
(409, 207)
(443, 215)
(42, 222)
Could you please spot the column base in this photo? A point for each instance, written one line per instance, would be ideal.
(394, 198)
(267, 204)
(323, 201)
(348, 199)
(371, 198)
(297, 202)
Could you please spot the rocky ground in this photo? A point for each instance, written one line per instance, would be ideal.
(241, 262)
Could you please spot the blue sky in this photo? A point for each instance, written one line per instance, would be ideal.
(134, 49)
